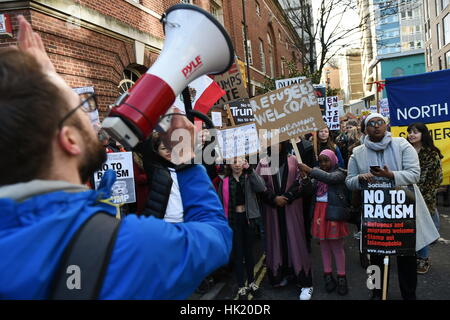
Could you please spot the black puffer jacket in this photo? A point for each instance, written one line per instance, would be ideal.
(159, 181)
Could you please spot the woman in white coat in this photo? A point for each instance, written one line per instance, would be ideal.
(397, 160)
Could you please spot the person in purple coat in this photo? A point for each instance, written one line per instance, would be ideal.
(287, 254)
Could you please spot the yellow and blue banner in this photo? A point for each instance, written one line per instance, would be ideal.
(422, 98)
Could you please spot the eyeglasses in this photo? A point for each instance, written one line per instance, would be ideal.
(372, 123)
(87, 105)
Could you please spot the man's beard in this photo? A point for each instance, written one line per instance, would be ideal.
(94, 157)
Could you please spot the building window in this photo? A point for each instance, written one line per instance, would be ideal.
(216, 11)
(444, 4)
(431, 56)
(130, 76)
(282, 66)
(398, 72)
(271, 54)
(446, 29)
(440, 63)
(438, 7)
(438, 35)
(258, 8)
(262, 56)
(249, 47)
(447, 59)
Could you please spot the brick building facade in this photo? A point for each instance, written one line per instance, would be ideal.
(98, 43)
(270, 35)
(107, 44)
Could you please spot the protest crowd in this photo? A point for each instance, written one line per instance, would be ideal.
(186, 222)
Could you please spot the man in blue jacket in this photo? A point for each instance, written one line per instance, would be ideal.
(49, 150)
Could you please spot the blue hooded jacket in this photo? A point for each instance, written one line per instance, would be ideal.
(151, 259)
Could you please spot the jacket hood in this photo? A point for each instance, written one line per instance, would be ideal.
(37, 221)
(22, 191)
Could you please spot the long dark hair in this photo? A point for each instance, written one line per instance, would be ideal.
(427, 140)
(329, 144)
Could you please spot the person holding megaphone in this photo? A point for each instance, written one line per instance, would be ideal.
(60, 240)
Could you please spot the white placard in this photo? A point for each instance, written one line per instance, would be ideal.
(331, 116)
(341, 108)
(83, 92)
(384, 107)
(288, 82)
(238, 141)
(123, 190)
(216, 119)
(2, 24)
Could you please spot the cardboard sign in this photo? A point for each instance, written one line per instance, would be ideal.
(331, 116)
(238, 141)
(241, 111)
(232, 83)
(288, 82)
(123, 190)
(84, 92)
(293, 110)
(388, 219)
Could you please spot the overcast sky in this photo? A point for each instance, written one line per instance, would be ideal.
(348, 21)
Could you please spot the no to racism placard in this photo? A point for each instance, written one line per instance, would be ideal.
(123, 190)
(293, 111)
(238, 141)
(388, 219)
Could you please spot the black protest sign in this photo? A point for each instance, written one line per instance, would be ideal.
(388, 219)
(321, 94)
(241, 111)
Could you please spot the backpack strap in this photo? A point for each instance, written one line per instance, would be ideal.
(90, 249)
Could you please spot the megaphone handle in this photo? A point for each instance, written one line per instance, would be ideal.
(188, 104)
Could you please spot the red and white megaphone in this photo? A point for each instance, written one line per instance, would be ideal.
(196, 44)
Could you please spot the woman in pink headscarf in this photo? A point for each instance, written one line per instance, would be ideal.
(330, 212)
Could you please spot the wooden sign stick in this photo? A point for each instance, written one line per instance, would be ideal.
(385, 280)
(297, 153)
(315, 145)
(230, 116)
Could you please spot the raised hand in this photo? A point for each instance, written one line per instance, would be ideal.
(31, 42)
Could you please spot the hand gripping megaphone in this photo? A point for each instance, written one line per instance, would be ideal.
(196, 44)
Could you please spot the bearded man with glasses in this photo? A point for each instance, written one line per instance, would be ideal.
(50, 149)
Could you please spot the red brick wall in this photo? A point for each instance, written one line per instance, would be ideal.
(83, 57)
(132, 15)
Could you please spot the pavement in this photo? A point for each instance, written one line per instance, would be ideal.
(435, 285)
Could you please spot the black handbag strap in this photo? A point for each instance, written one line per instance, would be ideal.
(89, 251)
